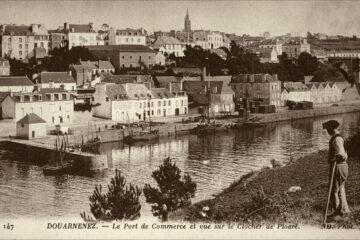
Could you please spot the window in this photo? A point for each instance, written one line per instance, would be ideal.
(20, 45)
(20, 40)
(164, 103)
(149, 57)
(123, 57)
(159, 104)
(35, 45)
(20, 53)
(169, 103)
(139, 42)
(53, 119)
(107, 99)
(130, 57)
(59, 108)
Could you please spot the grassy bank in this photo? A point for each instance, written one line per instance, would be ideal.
(263, 196)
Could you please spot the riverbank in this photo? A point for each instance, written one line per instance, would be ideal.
(262, 197)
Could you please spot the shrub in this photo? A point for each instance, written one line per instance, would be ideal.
(118, 203)
(172, 192)
(352, 145)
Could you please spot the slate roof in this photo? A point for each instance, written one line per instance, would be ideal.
(121, 79)
(43, 92)
(116, 92)
(165, 40)
(295, 87)
(31, 118)
(196, 87)
(121, 48)
(129, 32)
(17, 30)
(161, 93)
(15, 81)
(81, 28)
(166, 79)
(56, 77)
(97, 64)
(258, 78)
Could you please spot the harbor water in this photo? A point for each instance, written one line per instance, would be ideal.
(213, 162)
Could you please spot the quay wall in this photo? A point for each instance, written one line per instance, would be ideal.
(42, 154)
(309, 113)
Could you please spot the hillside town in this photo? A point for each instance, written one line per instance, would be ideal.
(214, 113)
(129, 75)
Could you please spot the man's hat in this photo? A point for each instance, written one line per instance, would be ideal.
(331, 124)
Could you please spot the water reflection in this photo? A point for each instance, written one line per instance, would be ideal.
(213, 161)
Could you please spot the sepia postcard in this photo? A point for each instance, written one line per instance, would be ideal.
(169, 119)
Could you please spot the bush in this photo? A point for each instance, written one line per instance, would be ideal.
(352, 145)
(118, 203)
(172, 192)
(267, 206)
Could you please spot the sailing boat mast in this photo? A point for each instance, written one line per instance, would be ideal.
(149, 112)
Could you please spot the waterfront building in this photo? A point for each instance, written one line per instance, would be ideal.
(24, 41)
(296, 92)
(293, 48)
(127, 36)
(4, 67)
(169, 45)
(80, 34)
(56, 80)
(16, 84)
(31, 126)
(53, 105)
(132, 102)
(263, 87)
(126, 56)
(216, 95)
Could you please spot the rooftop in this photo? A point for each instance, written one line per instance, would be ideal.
(165, 40)
(121, 48)
(31, 118)
(256, 78)
(56, 77)
(15, 81)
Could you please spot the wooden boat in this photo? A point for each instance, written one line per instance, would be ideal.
(210, 128)
(142, 137)
(62, 164)
(91, 145)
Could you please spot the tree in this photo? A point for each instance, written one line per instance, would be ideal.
(172, 192)
(307, 63)
(118, 203)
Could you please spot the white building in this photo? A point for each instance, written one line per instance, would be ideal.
(53, 105)
(169, 45)
(24, 42)
(296, 92)
(56, 80)
(16, 84)
(294, 48)
(133, 102)
(267, 55)
(208, 39)
(31, 126)
(272, 43)
(80, 34)
(160, 58)
(127, 36)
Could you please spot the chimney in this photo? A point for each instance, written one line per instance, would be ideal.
(66, 26)
(203, 74)
(34, 28)
(170, 89)
(138, 78)
(307, 79)
(126, 87)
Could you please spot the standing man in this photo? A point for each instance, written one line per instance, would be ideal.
(337, 158)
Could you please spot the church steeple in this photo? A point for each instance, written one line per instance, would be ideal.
(187, 22)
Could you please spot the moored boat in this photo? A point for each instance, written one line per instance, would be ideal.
(142, 137)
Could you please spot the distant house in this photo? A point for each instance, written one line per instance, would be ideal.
(16, 84)
(122, 79)
(56, 80)
(127, 36)
(220, 52)
(160, 58)
(125, 56)
(53, 105)
(172, 83)
(80, 34)
(257, 86)
(169, 45)
(272, 43)
(4, 67)
(293, 48)
(217, 95)
(82, 74)
(99, 66)
(31, 126)
(266, 55)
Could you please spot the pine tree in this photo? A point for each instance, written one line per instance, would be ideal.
(120, 202)
(172, 192)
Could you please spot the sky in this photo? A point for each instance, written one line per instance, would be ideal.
(240, 17)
